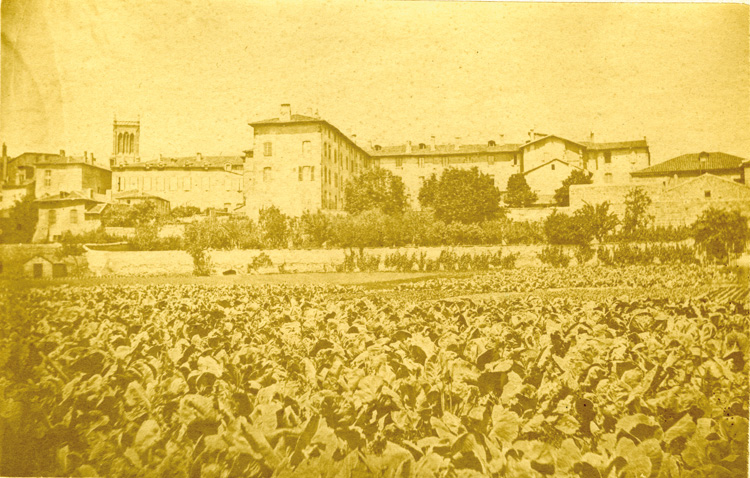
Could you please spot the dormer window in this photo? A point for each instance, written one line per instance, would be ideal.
(227, 167)
(491, 143)
(377, 147)
(422, 146)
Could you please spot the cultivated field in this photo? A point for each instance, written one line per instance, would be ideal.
(580, 372)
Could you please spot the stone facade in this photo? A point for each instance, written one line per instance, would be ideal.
(68, 174)
(62, 214)
(546, 178)
(672, 205)
(204, 182)
(299, 163)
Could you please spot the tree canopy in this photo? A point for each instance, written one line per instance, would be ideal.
(577, 176)
(518, 193)
(20, 223)
(720, 233)
(375, 189)
(462, 195)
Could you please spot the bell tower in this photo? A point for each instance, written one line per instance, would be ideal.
(125, 142)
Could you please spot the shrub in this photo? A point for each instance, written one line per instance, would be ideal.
(261, 260)
(273, 225)
(359, 261)
(563, 229)
(554, 256)
(375, 189)
(577, 176)
(596, 221)
(185, 211)
(584, 253)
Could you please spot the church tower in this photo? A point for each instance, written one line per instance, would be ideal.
(125, 142)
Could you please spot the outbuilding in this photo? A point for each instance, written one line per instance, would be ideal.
(40, 267)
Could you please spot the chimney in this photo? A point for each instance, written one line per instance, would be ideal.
(502, 139)
(308, 111)
(458, 143)
(369, 144)
(286, 113)
(199, 156)
(432, 143)
(93, 160)
(408, 146)
(354, 138)
(85, 156)
(531, 135)
(591, 137)
(62, 153)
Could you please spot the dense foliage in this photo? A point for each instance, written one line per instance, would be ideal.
(375, 189)
(721, 233)
(637, 217)
(126, 215)
(296, 381)
(20, 222)
(577, 176)
(462, 195)
(518, 193)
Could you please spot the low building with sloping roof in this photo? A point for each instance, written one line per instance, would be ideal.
(546, 178)
(693, 165)
(134, 196)
(73, 212)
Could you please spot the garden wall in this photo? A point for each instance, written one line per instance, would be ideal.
(150, 263)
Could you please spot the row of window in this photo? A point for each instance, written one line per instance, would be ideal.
(160, 183)
(52, 216)
(445, 161)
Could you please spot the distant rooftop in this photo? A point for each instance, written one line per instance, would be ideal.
(187, 162)
(693, 163)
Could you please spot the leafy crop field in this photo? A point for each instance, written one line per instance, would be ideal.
(329, 381)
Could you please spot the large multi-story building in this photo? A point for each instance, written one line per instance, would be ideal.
(300, 163)
(201, 181)
(545, 160)
(290, 149)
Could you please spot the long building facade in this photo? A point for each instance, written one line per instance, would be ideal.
(301, 163)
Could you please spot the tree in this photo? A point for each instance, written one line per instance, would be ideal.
(463, 195)
(375, 189)
(428, 192)
(20, 224)
(598, 220)
(274, 227)
(636, 216)
(518, 193)
(719, 233)
(577, 176)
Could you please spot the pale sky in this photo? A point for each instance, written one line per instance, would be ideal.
(196, 72)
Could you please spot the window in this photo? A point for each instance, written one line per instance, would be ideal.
(147, 184)
(206, 184)
(47, 177)
(515, 160)
(553, 166)
(52, 217)
(119, 184)
(74, 216)
(306, 149)
(420, 162)
(172, 184)
(707, 194)
(299, 173)
(266, 175)
(422, 146)
(608, 178)
(160, 184)
(607, 157)
(312, 173)
(336, 179)
(186, 184)
(267, 148)
(490, 160)
(399, 163)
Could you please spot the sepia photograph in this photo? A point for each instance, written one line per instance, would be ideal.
(361, 238)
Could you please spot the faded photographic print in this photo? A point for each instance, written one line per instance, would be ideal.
(349, 239)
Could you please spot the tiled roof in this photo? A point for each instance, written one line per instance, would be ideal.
(295, 118)
(96, 208)
(548, 162)
(690, 163)
(641, 143)
(542, 138)
(442, 149)
(187, 162)
(80, 160)
(136, 194)
(70, 196)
